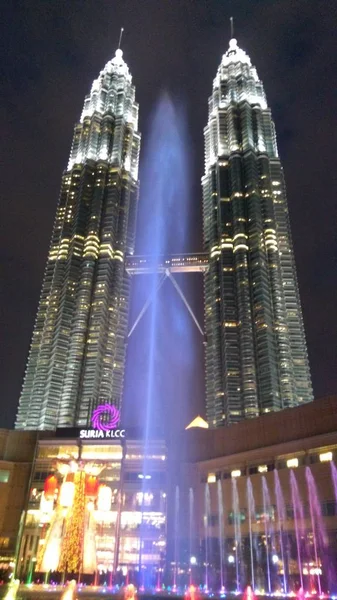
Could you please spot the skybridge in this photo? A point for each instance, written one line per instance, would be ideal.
(166, 267)
(175, 263)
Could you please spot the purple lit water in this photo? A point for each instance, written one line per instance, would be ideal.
(317, 524)
(281, 517)
(251, 515)
(266, 512)
(237, 530)
(299, 519)
(176, 536)
(334, 477)
(206, 525)
(191, 529)
(221, 531)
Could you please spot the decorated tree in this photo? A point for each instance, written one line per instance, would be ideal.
(72, 545)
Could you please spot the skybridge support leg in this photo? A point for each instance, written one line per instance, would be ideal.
(182, 296)
(147, 303)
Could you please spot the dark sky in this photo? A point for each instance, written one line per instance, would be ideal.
(51, 52)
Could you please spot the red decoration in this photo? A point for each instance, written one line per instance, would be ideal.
(91, 486)
(50, 487)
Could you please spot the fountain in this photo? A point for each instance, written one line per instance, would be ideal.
(251, 515)
(281, 517)
(206, 525)
(299, 519)
(248, 594)
(130, 592)
(190, 530)
(317, 525)
(237, 531)
(70, 591)
(221, 534)
(176, 538)
(192, 593)
(294, 542)
(267, 527)
(334, 477)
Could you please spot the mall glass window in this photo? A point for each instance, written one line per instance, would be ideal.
(4, 476)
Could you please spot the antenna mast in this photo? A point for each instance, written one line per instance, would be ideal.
(120, 37)
(232, 27)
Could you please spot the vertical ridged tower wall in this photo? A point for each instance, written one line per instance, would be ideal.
(77, 355)
(256, 355)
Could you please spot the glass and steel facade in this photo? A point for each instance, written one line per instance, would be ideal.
(77, 355)
(256, 356)
(121, 527)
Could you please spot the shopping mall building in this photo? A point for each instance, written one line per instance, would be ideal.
(118, 507)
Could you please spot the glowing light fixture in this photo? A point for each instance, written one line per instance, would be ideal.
(325, 457)
(236, 473)
(67, 492)
(104, 498)
(292, 463)
(262, 468)
(211, 478)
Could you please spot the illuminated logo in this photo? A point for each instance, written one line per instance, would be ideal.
(105, 417)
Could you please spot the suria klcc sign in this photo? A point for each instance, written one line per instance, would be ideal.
(104, 421)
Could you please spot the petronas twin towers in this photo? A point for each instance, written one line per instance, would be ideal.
(256, 357)
(77, 354)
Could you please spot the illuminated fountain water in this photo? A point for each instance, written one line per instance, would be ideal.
(221, 533)
(237, 531)
(191, 526)
(320, 539)
(281, 517)
(251, 516)
(299, 521)
(70, 591)
(206, 525)
(276, 551)
(176, 538)
(334, 477)
(267, 527)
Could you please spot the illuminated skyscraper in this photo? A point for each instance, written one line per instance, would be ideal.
(78, 347)
(256, 356)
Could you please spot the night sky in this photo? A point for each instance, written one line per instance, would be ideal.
(51, 52)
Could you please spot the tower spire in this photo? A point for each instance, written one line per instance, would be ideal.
(232, 27)
(120, 38)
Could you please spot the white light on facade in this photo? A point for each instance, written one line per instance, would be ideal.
(236, 473)
(211, 478)
(67, 492)
(193, 560)
(262, 468)
(104, 498)
(46, 505)
(231, 558)
(325, 457)
(292, 463)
